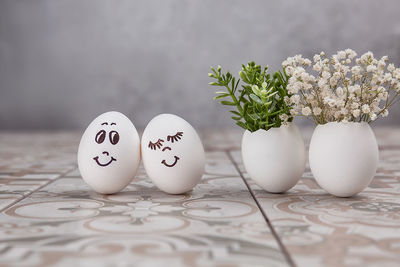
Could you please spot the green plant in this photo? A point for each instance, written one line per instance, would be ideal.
(260, 102)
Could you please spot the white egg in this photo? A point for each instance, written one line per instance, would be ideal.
(109, 153)
(172, 153)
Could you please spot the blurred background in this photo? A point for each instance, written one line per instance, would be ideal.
(64, 62)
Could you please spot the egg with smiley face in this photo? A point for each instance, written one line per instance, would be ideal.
(109, 153)
(173, 155)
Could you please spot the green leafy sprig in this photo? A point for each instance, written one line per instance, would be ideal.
(260, 102)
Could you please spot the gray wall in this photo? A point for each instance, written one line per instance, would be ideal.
(63, 62)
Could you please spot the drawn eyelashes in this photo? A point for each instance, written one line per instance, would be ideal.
(175, 138)
(158, 144)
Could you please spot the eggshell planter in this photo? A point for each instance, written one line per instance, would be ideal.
(274, 159)
(343, 157)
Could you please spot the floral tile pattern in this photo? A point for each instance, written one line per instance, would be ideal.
(56, 219)
(318, 229)
(50, 217)
(30, 161)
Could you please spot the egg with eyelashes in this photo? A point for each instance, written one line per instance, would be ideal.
(109, 153)
(173, 155)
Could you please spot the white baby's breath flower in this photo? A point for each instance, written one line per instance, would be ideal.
(366, 56)
(322, 82)
(351, 53)
(306, 111)
(344, 111)
(387, 77)
(381, 65)
(305, 77)
(340, 91)
(356, 113)
(340, 103)
(336, 75)
(289, 70)
(341, 55)
(295, 99)
(357, 89)
(355, 105)
(337, 114)
(286, 99)
(307, 62)
(326, 75)
(329, 101)
(317, 67)
(391, 67)
(371, 68)
(317, 111)
(284, 118)
(365, 109)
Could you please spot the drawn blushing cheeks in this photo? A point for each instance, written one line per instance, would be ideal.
(100, 137)
(159, 144)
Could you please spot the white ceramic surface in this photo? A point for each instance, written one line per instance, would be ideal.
(173, 155)
(109, 153)
(274, 159)
(343, 157)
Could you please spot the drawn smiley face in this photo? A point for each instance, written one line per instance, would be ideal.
(109, 153)
(100, 138)
(172, 154)
(159, 145)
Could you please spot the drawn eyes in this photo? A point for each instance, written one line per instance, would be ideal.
(101, 136)
(175, 137)
(158, 144)
(170, 138)
(114, 137)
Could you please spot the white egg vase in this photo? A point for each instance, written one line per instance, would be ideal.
(274, 159)
(343, 157)
(173, 155)
(109, 153)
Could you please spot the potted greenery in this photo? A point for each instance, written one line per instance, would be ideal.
(273, 150)
(342, 95)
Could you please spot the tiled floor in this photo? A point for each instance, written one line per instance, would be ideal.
(51, 217)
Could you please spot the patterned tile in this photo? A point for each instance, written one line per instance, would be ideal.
(322, 230)
(65, 223)
(30, 161)
(51, 217)
(12, 190)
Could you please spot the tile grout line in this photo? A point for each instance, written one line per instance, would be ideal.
(278, 240)
(37, 189)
